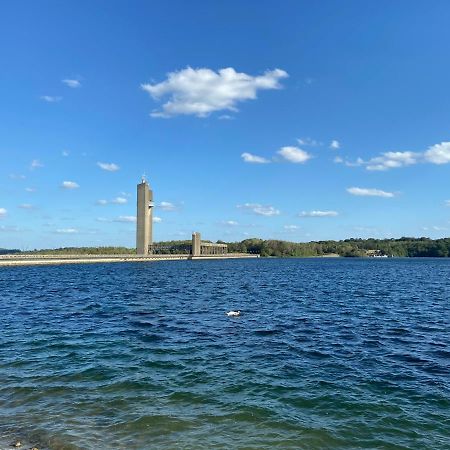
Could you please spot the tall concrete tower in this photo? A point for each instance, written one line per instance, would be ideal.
(144, 224)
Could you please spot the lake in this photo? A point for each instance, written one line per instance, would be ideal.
(327, 354)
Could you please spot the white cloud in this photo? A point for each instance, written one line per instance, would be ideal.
(291, 227)
(308, 141)
(102, 202)
(335, 145)
(102, 219)
(15, 176)
(167, 206)
(110, 167)
(391, 160)
(65, 153)
(67, 231)
(230, 223)
(318, 214)
(261, 210)
(119, 200)
(225, 117)
(69, 185)
(338, 160)
(51, 99)
(71, 83)
(28, 189)
(26, 206)
(369, 192)
(249, 158)
(3, 212)
(294, 154)
(447, 203)
(202, 91)
(126, 219)
(157, 219)
(36, 164)
(438, 153)
(7, 229)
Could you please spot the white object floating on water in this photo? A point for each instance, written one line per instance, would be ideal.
(233, 313)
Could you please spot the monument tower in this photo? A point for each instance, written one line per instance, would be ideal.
(144, 216)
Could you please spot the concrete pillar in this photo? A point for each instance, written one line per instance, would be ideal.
(196, 244)
(144, 218)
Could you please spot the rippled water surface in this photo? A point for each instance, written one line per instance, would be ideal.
(328, 353)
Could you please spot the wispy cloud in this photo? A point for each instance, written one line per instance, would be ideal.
(72, 83)
(226, 117)
(260, 210)
(335, 145)
(8, 229)
(110, 167)
(70, 185)
(318, 213)
(67, 231)
(202, 91)
(125, 219)
(102, 202)
(166, 206)
(15, 176)
(230, 223)
(3, 212)
(369, 192)
(447, 203)
(291, 227)
(65, 153)
(36, 164)
(50, 98)
(26, 206)
(29, 189)
(294, 154)
(157, 219)
(119, 200)
(309, 142)
(254, 159)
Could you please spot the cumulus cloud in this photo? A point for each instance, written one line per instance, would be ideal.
(3, 212)
(391, 160)
(249, 158)
(294, 154)
(36, 164)
(335, 145)
(51, 99)
(318, 214)
(202, 91)
(110, 167)
(438, 153)
(157, 219)
(369, 192)
(260, 210)
(70, 185)
(71, 83)
(67, 231)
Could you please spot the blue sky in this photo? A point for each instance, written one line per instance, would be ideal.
(288, 120)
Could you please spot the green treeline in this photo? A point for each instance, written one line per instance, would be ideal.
(403, 247)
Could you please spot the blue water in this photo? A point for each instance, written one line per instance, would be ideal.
(328, 353)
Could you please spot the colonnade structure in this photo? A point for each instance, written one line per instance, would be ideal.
(144, 228)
